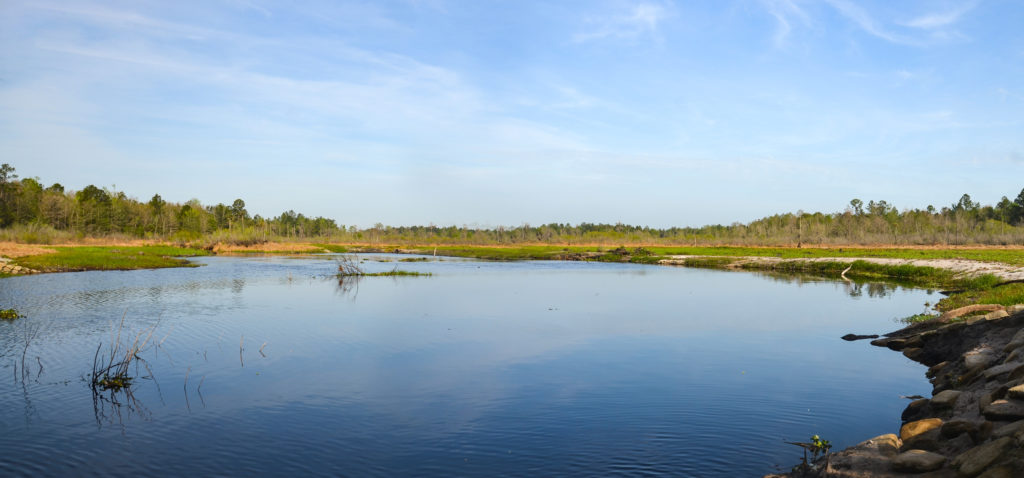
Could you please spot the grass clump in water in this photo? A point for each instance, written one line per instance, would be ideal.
(349, 267)
(10, 314)
(398, 273)
(115, 371)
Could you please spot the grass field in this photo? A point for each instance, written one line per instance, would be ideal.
(81, 258)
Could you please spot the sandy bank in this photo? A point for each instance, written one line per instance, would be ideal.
(961, 266)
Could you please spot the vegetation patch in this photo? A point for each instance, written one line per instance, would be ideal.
(916, 318)
(82, 258)
(397, 273)
(1006, 295)
(349, 267)
(10, 314)
(115, 370)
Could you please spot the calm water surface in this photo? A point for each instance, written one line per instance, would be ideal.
(483, 369)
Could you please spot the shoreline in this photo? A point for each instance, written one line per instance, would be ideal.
(957, 266)
(973, 424)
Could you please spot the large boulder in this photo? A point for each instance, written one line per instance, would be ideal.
(918, 461)
(945, 399)
(1003, 409)
(974, 461)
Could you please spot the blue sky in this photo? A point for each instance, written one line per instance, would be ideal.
(488, 113)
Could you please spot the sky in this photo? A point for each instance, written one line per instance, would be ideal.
(484, 112)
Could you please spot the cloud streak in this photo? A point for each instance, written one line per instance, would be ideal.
(637, 20)
(941, 19)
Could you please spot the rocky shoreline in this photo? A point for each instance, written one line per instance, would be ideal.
(972, 426)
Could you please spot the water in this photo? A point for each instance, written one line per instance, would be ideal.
(483, 369)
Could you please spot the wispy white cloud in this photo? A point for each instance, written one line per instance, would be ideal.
(785, 12)
(941, 19)
(869, 24)
(633, 21)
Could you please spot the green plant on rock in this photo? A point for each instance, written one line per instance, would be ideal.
(817, 447)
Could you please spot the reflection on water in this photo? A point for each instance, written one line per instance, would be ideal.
(273, 366)
(854, 288)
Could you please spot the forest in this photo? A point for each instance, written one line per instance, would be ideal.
(32, 212)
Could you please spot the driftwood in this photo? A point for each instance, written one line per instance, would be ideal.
(952, 314)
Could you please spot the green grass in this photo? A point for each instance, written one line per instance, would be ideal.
(82, 258)
(1010, 294)
(9, 314)
(913, 319)
(334, 248)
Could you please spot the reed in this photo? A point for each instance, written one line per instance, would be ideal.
(116, 369)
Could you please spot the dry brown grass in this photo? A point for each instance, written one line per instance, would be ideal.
(267, 247)
(13, 249)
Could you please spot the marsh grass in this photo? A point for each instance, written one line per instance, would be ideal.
(1006, 295)
(348, 266)
(398, 273)
(81, 258)
(117, 369)
(916, 318)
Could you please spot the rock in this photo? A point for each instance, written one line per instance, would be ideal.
(918, 461)
(1016, 341)
(882, 342)
(985, 430)
(999, 314)
(852, 337)
(957, 427)
(868, 458)
(998, 370)
(972, 462)
(916, 342)
(1004, 410)
(978, 359)
(1016, 392)
(1009, 430)
(935, 369)
(945, 399)
(913, 353)
(1015, 356)
(921, 434)
(896, 344)
(1013, 309)
(1016, 373)
(916, 410)
(975, 319)
(999, 472)
(918, 427)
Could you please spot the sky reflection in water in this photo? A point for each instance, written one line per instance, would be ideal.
(486, 369)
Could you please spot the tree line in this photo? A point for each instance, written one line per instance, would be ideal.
(39, 210)
(95, 211)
